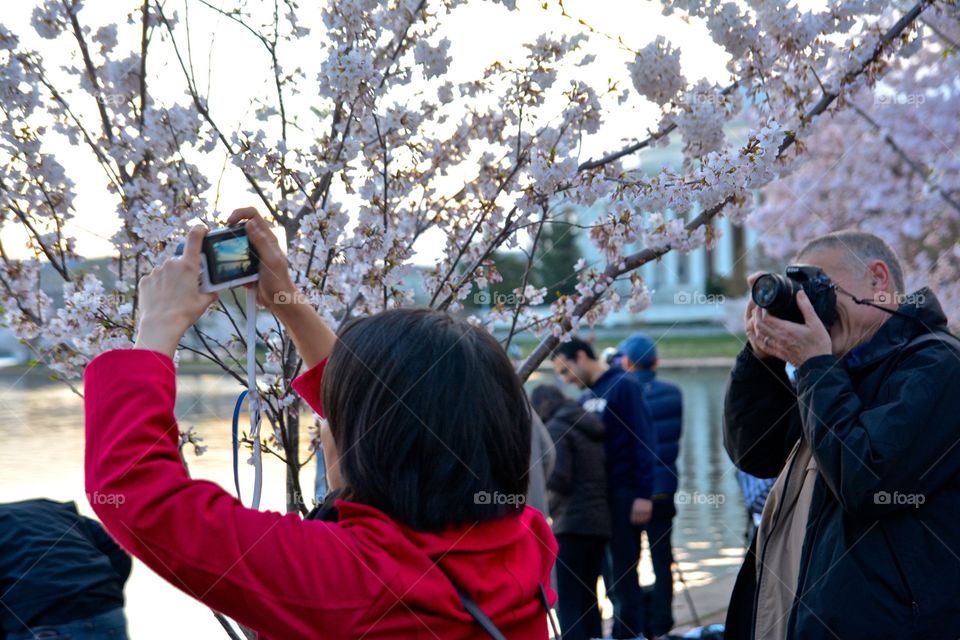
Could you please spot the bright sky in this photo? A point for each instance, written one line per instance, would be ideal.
(238, 72)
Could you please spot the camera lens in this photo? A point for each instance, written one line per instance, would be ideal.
(765, 290)
(777, 295)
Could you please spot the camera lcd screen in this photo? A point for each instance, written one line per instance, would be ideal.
(230, 259)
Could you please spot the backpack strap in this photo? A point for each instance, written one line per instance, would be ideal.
(546, 605)
(484, 621)
(944, 337)
(477, 613)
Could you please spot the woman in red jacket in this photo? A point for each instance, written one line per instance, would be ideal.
(429, 440)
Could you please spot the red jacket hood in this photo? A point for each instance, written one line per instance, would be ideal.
(497, 562)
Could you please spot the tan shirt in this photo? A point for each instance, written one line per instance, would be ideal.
(782, 530)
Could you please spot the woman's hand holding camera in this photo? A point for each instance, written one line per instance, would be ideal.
(275, 288)
(170, 299)
(275, 291)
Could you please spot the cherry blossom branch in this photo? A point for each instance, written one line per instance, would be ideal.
(828, 97)
(58, 97)
(144, 29)
(638, 259)
(71, 6)
(25, 220)
(205, 113)
(642, 144)
(916, 167)
(466, 244)
(587, 302)
(526, 278)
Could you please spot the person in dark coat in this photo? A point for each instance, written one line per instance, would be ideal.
(859, 536)
(665, 401)
(577, 491)
(630, 447)
(61, 574)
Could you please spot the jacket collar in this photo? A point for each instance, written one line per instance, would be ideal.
(922, 314)
(645, 375)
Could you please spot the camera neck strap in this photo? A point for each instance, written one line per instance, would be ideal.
(893, 312)
(253, 406)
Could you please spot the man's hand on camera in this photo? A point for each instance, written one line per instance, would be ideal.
(170, 300)
(275, 289)
(790, 341)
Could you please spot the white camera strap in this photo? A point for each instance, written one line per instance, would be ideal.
(253, 398)
(253, 407)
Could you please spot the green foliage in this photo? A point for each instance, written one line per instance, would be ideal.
(557, 252)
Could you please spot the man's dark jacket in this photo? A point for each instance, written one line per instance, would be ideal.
(629, 439)
(578, 484)
(884, 427)
(665, 402)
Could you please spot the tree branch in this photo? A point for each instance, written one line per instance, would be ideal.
(638, 259)
(916, 167)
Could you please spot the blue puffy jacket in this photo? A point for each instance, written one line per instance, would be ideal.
(665, 403)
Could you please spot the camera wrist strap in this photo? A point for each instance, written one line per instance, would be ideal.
(253, 407)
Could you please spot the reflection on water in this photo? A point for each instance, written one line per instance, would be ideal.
(41, 423)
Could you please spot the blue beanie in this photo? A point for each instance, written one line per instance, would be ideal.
(641, 350)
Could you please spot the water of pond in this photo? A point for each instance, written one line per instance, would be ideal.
(41, 423)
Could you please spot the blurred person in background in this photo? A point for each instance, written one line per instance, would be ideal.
(630, 449)
(665, 402)
(577, 491)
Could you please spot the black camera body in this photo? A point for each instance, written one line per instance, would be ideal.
(227, 259)
(778, 294)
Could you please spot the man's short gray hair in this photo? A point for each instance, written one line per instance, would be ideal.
(860, 248)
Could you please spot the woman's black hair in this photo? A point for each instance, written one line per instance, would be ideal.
(429, 417)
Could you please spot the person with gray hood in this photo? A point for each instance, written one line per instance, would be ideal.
(577, 492)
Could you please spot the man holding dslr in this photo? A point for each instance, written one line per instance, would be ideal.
(859, 536)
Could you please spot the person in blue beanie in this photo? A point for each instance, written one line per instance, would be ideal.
(665, 402)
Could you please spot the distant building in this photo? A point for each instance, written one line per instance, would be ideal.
(689, 288)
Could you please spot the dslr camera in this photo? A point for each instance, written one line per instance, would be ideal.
(227, 259)
(778, 294)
